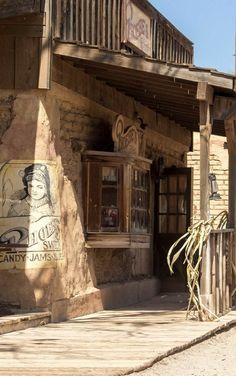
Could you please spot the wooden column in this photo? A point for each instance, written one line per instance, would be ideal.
(205, 97)
(230, 130)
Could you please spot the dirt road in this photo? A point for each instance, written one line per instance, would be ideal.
(214, 357)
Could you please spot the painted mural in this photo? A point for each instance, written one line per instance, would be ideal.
(29, 215)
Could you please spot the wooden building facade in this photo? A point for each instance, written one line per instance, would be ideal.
(98, 103)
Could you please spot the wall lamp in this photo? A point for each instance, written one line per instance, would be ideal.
(214, 188)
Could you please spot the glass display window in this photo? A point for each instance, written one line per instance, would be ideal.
(116, 200)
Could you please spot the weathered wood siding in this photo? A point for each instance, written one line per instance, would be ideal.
(10, 8)
(25, 48)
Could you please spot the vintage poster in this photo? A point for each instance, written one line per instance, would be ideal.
(29, 215)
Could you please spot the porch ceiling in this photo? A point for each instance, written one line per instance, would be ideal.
(169, 89)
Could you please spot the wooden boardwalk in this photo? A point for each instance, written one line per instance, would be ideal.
(106, 343)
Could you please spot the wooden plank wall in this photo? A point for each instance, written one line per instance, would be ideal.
(25, 51)
(11, 8)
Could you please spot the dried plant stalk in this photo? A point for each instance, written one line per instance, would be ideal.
(193, 247)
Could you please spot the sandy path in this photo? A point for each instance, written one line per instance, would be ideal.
(214, 357)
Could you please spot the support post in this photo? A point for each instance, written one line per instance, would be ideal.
(230, 130)
(205, 97)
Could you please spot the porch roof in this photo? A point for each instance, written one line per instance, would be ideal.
(167, 88)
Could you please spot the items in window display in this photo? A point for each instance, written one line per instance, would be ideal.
(110, 218)
(109, 175)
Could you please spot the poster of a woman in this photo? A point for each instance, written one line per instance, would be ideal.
(29, 214)
(34, 199)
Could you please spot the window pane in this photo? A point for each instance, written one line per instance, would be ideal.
(144, 200)
(182, 223)
(163, 224)
(135, 178)
(109, 196)
(172, 184)
(139, 220)
(139, 179)
(139, 201)
(172, 228)
(109, 175)
(162, 204)
(172, 204)
(182, 183)
(110, 218)
(181, 204)
(163, 185)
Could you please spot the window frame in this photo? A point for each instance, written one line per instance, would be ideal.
(123, 235)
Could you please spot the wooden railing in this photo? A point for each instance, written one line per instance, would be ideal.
(168, 44)
(218, 279)
(99, 23)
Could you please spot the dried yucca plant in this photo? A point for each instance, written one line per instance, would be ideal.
(192, 244)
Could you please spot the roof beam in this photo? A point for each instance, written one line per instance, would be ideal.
(141, 64)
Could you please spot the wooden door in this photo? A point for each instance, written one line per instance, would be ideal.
(172, 219)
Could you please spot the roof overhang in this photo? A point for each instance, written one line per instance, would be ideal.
(169, 89)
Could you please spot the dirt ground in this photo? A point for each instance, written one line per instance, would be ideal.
(214, 357)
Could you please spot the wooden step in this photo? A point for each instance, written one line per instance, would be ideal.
(23, 321)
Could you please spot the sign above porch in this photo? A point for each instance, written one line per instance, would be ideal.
(136, 29)
(12, 8)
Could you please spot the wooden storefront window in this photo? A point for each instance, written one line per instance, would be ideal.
(116, 200)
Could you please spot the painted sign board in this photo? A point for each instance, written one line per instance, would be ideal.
(12, 8)
(130, 140)
(29, 215)
(137, 29)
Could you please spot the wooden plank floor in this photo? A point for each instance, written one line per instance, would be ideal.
(105, 343)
